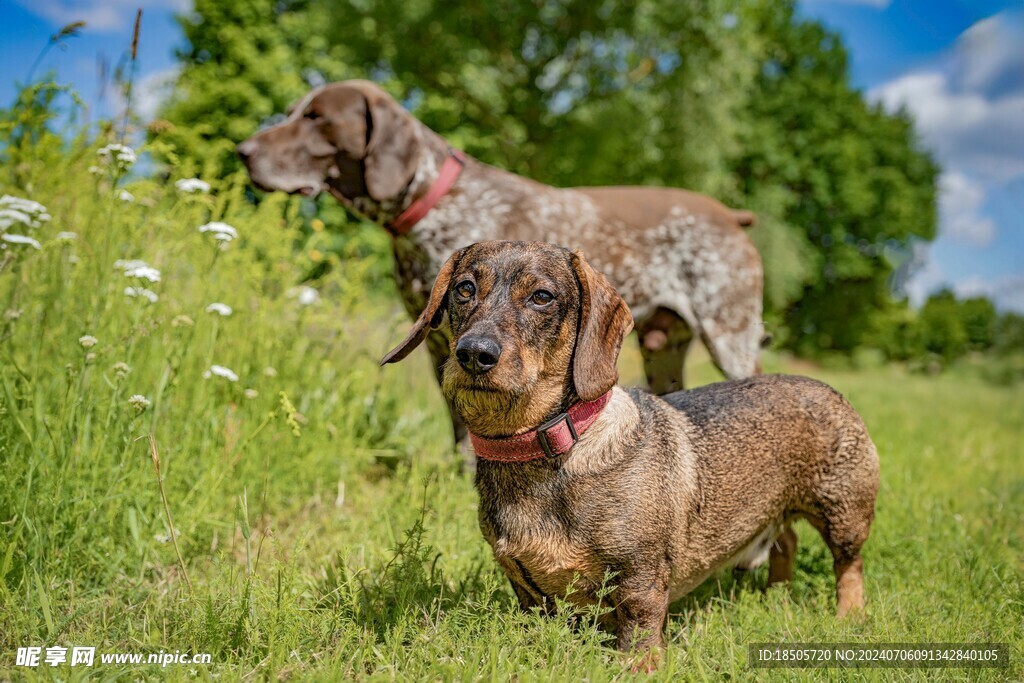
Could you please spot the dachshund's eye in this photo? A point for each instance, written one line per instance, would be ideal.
(465, 290)
(312, 115)
(541, 297)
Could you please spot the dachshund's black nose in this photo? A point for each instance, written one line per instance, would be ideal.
(477, 354)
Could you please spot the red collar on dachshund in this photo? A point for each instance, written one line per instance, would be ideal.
(553, 438)
(450, 170)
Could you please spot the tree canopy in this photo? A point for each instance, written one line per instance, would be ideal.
(740, 99)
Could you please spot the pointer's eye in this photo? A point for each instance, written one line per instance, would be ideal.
(312, 115)
(541, 297)
(465, 290)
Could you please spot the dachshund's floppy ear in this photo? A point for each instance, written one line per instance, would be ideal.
(432, 315)
(604, 322)
(392, 147)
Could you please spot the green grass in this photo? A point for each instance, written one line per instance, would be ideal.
(323, 522)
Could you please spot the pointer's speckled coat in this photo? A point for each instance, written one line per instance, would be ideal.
(661, 491)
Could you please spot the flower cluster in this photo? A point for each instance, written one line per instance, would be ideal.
(142, 293)
(139, 402)
(192, 186)
(137, 269)
(144, 273)
(222, 232)
(306, 295)
(220, 309)
(21, 239)
(221, 371)
(118, 157)
(21, 212)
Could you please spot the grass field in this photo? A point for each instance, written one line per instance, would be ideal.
(323, 526)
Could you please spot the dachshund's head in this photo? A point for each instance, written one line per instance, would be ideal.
(534, 328)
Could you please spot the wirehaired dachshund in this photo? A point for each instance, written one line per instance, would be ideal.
(580, 479)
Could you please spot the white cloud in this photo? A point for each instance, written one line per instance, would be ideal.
(960, 201)
(968, 105)
(1007, 291)
(99, 15)
(992, 59)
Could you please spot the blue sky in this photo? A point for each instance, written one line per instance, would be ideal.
(957, 65)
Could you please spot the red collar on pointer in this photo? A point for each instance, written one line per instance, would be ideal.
(450, 170)
(554, 437)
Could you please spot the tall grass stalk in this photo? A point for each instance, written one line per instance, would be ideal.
(155, 456)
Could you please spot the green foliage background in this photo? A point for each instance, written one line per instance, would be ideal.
(739, 99)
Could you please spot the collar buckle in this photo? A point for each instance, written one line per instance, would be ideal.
(542, 434)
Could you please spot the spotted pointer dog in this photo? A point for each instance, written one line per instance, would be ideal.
(680, 260)
(579, 479)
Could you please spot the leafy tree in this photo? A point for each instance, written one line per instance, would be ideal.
(571, 92)
(894, 331)
(979, 319)
(1009, 335)
(941, 326)
(844, 182)
(244, 63)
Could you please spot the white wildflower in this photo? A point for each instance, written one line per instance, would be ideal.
(9, 217)
(190, 185)
(308, 296)
(21, 239)
(250, 393)
(95, 170)
(25, 211)
(144, 273)
(65, 236)
(141, 292)
(221, 371)
(182, 321)
(219, 309)
(220, 231)
(12, 314)
(120, 155)
(28, 206)
(121, 369)
(87, 341)
(139, 402)
(90, 357)
(130, 264)
(126, 196)
(269, 371)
